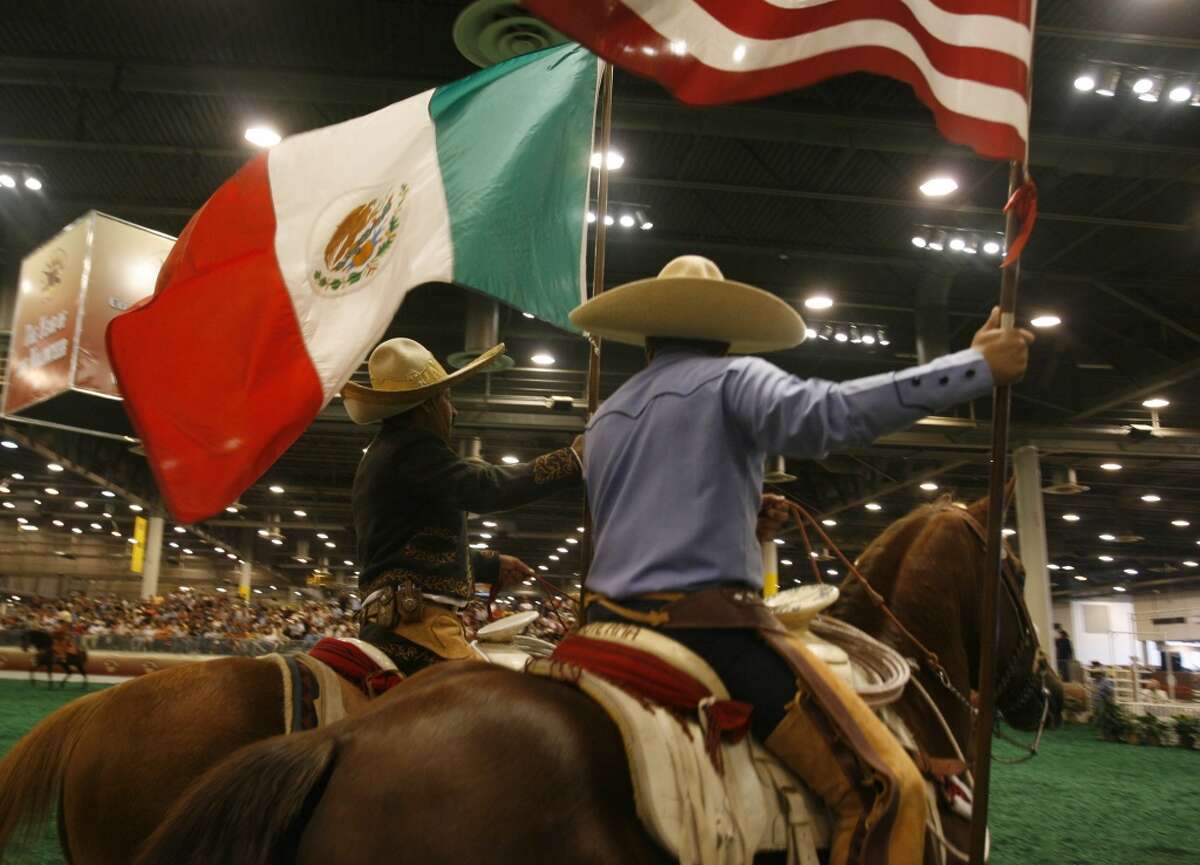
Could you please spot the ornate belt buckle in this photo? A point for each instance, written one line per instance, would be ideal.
(408, 603)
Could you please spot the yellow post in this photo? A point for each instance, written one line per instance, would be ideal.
(770, 560)
(137, 556)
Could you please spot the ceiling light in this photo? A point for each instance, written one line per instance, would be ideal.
(1071, 518)
(855, 335)
(331, 545)
(51, 491)
(76, 531)
(17, 476)
(11, 445)
(543, 568)
(58, 523)
(938, 242)
(831, 571)
(868, 337)
(1182, 524)
(608, 220)
(188, 552)
(22, 520)
(778, 541)
(1105, 558)
(1151, 498)
(580, 529)
(552, 558)
(1085, 83)
(1118, 588)
(1046, 321)
(615, 160)
(873, 506)
(277, 541)
(919, 242)
(1131, 571)
(785, 561)
(626, 220)
(1107, 537)
(27, 527)
(264, 533)
(1190, 564)
(572, 540)
(936, 187)
(1156, 402)
(1109, 79)
(9, 505)
(54, 467)
(276, 488)
(991, 247)
(1008, 533)
(32, 183)
(81, 504)
(108, 494)
(1143, 85)
(1180, 91)
(218, 549)
(1111, 467)
(322, 536)
(1068, 567)
(829, 523)
(180, 530)
(957, 244)
(231, 510)
(262, 136)
(1149, 88)
(646, 225)
(1081, 578)
(97, 527)
(106, 514)
(487, 536)
(509, 460)
(234, 556)
(591, 217)
(8, 181)
(137, 509)
(479, 546)
(347, 563)
(818, 301)
(929, 486)
(810, 333)
(543, 359)
(490, 524)
(841, 335)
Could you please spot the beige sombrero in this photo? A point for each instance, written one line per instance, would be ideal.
(403, 375)
(690, 299)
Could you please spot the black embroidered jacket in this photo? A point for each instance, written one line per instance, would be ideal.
(411, 498)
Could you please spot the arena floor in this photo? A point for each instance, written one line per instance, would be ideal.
(1081, 802)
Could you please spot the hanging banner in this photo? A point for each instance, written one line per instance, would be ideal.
(137, 556)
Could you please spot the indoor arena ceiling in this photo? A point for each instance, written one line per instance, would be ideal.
(139, 110)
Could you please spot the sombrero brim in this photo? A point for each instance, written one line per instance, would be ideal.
(749, 319)
(367, 405)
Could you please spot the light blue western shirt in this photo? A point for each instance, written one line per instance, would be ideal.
(674, 459)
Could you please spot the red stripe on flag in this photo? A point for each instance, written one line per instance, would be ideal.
(755, 19)
(213, 368)
(617, 34)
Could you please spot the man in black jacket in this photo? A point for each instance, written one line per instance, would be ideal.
(411, 498)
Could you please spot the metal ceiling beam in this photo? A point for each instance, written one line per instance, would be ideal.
(1074, 155)
(1147, 310)
(1142, 390)
(878, 201)
(1144, 40)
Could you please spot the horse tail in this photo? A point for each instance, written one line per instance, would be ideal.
(31, 774)
(250, 809)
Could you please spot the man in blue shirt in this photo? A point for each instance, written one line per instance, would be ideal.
(674, 473)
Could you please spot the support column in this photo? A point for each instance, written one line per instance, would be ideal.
(153, 563)
(932, 314)
(1031, 534)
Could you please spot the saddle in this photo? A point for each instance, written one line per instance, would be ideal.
(708, 800)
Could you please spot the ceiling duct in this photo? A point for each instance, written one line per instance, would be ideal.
(1063, 482)
(490, 31)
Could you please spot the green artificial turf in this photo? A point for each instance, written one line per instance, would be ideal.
(1080, 802)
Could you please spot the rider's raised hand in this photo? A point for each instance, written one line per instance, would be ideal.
(1006, 351)
(513, 570)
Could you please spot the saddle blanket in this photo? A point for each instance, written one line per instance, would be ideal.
(709, 794)
(312, 693)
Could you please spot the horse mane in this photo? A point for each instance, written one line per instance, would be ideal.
(880, 564)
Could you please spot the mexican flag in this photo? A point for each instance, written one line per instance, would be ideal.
(286, 278)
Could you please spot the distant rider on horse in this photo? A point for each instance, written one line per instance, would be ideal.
(674, 473)
(411, 497)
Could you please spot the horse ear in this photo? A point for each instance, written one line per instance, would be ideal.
(979, 508)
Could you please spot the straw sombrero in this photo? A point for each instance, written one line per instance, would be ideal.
(690, 299)
(403, 375)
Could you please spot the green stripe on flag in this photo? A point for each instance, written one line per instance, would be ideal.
(513, 144)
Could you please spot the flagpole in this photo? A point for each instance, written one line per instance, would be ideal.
(1002, 404)
(593, 371)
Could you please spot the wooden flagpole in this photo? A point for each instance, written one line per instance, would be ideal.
(593, 371)
(1001, 406)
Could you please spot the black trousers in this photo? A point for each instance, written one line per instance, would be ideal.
(750, 669)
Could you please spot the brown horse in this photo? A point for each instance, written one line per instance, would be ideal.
(469, 763)
(113, 761)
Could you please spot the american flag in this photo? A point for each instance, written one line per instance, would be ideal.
(967, 60)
